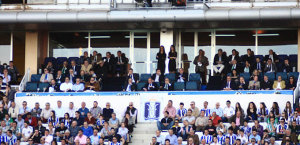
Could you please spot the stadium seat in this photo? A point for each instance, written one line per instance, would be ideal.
(191, 86)
(76, 59)
(246, 76)
(179, 86)
(43, 86)
(47, 59)
(271, 76)
(293, 58)
(282, 57)
(170, 76)
(282, 74)
(295, 74)
(194, 77)
(140, 86)
(144, 77)
(31, 87)
(35, 78)
(60, 60)
(261, 57)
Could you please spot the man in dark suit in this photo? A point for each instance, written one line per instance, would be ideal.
(220, 60)
(53, 87)
(75, 67)
(134, 77)
(129, 86)
(270, 67)
(158, 77)
(287, 67)
(229, 85)
(266, 84)
(121, 63)
(59, 78)
(234, 56)
(72, 76)
(150, 86)
(96, 57)
(100, 70)
(258, 65)
(272, 55)
(85, 57)
(181, 76)
(110, 63)
(235, 66)
(166, 86)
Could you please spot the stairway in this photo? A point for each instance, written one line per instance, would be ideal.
(143, 133)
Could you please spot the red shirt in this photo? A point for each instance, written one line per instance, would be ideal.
(92, 121)
(215, 120)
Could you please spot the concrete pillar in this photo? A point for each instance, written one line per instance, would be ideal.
(31, 52)
(298, 51)
(166, 39)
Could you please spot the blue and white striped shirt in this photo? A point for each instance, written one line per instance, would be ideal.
(11, 140)
(280, 128)
(208, 138)
(259, 112)
(115, 144)
(207, 112)
(54, 122)
(181, 112)
(3, 138)
(232, 138)
(247, 129)
(221, 139)
(98, 122)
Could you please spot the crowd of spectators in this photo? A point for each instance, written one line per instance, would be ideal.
(9, 74)
(183, 124)
(91, 70)
(70, 125)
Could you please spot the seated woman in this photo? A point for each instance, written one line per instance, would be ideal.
(242, 85)
(247, 68)
(291, 85)
(234, 76)
(279, 84)
(251, 112)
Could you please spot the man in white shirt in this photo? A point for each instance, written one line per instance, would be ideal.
(26, 131)
(228, 111)
(71, 110)
(60, 111)
(243, 137)
(66, 86)
(46, 112)
(160, 139)
(218, 110)
(48, 138)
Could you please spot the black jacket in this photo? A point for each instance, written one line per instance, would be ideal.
(184, 75)
(223, 59)
(170, 87)
(265, 85)
(154, 88)
(161, 78)
(132, 87)
(135, 77)
(232, 85)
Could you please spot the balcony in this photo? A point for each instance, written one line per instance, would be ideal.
(108, 5)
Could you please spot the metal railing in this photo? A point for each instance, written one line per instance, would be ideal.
(25, 79)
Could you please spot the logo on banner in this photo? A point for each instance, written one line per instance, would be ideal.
(152, 110)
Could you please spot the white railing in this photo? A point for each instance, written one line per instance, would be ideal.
(25, 79)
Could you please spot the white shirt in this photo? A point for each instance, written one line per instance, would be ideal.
(278, 86)
(48, 139)
(123, 131)
(27, 131)
(243, 139)
(66, 86)
(60, 112)
(156, 78)
(71, 112)
(215, 143)
(229, 111)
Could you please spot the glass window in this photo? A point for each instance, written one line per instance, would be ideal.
(67, 44)
(187, 43)
(103, 42)
(204, 43)
(5, 47)
(155, 44)
(140, 52)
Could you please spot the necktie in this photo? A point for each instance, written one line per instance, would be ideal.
(166, 86)
(46, 77)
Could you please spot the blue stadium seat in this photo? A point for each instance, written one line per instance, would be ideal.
(228, 74)
(295, 74)
(31, 87)
(140, 86)
(271, 76)
(293, 58)
(43, 86)
(282, 74)
(35, 78)
(261, 57)
(282, 57)
(194, 77)
(191, 86)
(145, 77)
(47, 59)
(246, 76)
(76, 59)
(60, 60)
(170, 76)
(179, 86)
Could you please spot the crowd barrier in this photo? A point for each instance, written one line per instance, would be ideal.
(150, 105)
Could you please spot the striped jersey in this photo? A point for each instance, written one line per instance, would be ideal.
(232, 138)
(208, 138)
(207, 111)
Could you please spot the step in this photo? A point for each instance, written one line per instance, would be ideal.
(143, 133)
